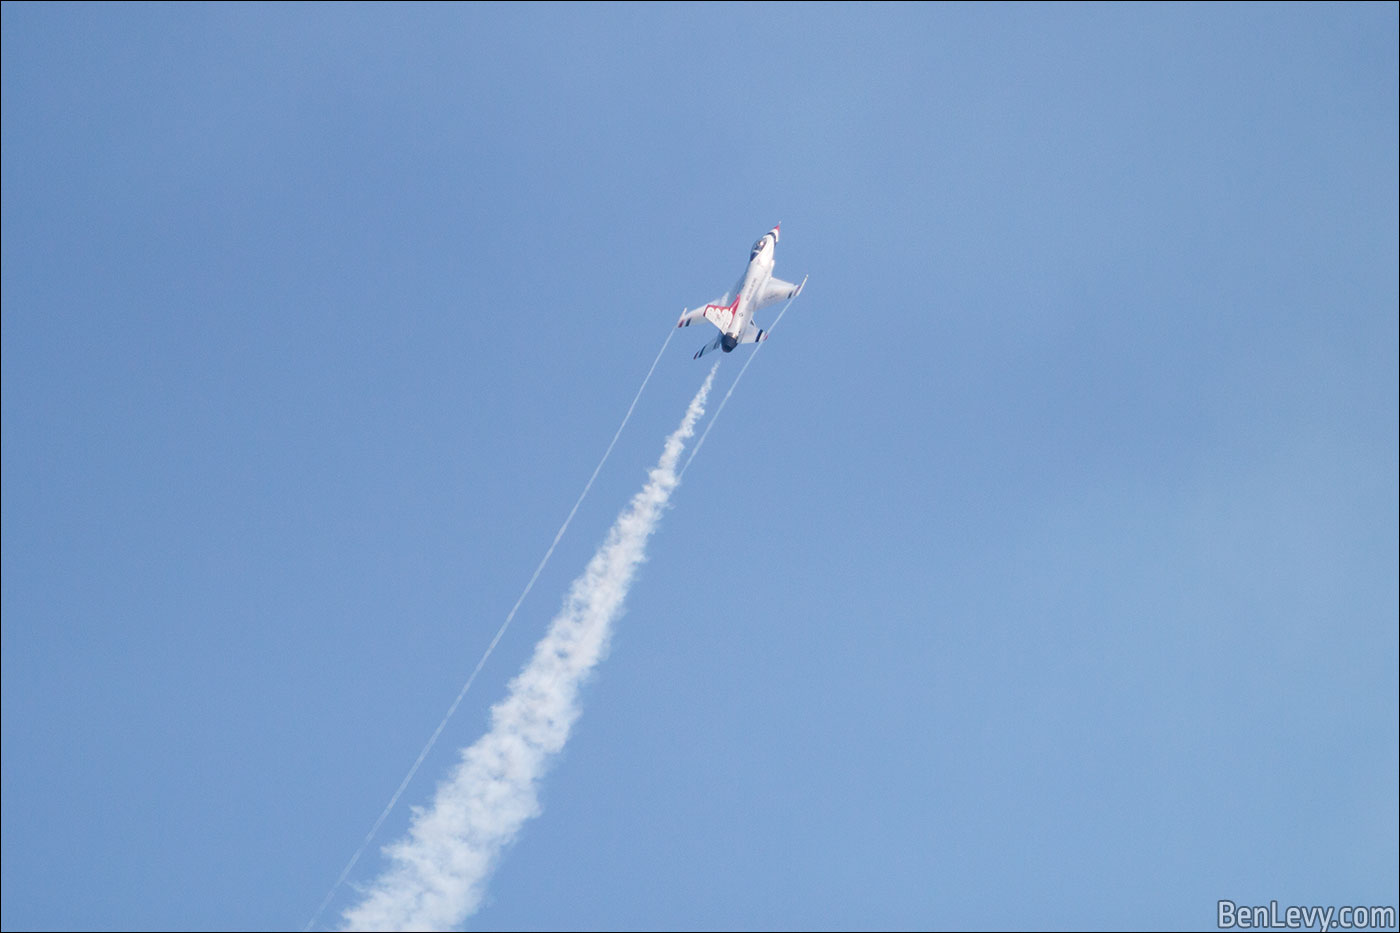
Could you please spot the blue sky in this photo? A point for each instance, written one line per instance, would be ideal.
(1041, 572)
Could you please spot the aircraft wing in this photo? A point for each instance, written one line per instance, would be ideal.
(690, 317)
(777, 291)
(717, 314)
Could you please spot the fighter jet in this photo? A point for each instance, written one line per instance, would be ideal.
(756, 290)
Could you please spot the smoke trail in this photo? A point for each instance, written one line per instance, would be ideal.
(725, 401)
(432, 739)
(440, 868)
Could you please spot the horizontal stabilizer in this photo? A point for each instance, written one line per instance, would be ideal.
(753, 334)
(712, 345)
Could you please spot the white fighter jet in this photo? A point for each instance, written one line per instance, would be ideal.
(755, 291)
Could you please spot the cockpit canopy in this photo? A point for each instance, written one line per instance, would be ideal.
(757, 247)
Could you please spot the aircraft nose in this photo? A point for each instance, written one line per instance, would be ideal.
(777, 229)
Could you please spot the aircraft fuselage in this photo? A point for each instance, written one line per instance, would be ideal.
(756, 290)
(749, 288)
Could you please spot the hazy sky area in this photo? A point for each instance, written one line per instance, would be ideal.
(1041, 572)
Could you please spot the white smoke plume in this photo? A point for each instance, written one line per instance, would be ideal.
(439, 870)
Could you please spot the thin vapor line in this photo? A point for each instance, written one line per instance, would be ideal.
(438, 871)
(510, 616)
(725, 401)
